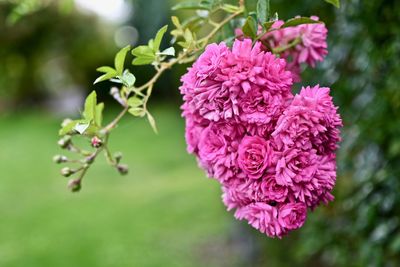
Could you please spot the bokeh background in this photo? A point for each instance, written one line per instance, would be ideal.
(166, 212)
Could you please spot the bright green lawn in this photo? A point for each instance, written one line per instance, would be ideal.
(164, 213)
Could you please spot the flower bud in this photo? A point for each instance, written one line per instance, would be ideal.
(118, 157)
(60, 159)
(114, 91)
(122, 169)
(90, 159)
(66, 122)
(64, 142)
(96, 142)
(66, 172)
(116, 95)
(74, 185)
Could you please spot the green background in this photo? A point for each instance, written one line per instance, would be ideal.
(166, 212)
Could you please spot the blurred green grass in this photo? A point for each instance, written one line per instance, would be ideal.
(164, 213)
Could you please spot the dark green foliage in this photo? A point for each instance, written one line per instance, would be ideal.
(362, 226)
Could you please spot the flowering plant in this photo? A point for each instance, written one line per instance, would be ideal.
(273, 152)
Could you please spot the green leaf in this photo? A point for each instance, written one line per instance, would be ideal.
(263, 10)
(250, 6)
(99, 114)
(92, 130)
(120, 59)
(152, 122)
(81, 127)
(299, 21)
(137, 112)
(143, 50)
(105, 69)
(90, 106)
(68, 128)
(275, 17)
(106, 76)
(175, 21)
(268, 25)
(128, 79)
(230, 8)
(188, 36)
(158, 38)
(143, 60)
(191, 5)
(145, 55)
(336, 3)
(193, 23)
(135, 102)
(250, 27)
(170, 51)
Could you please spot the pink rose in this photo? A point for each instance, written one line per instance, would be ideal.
(262, 217)
(292, 215)
(255, 153)
(274, 191)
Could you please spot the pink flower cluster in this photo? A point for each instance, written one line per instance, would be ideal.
(272, 152)
(310, 44)
(307, 44)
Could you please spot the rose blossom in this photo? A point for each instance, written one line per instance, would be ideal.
(295, 166)
(254, 156)
(273, 153)
(218, 145)
(273, 190)
(311, 121)
(261, 216)
(292, 215)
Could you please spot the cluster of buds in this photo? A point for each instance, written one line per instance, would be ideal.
(121, 168)
(87, 158)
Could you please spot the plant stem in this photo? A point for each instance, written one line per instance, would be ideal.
(290, 45)
(185, 56)
(114, 123)
(203, 42)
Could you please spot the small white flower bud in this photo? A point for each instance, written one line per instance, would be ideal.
(122, 169)
(64, 142)
(60, 159)
(66, 172)
(118, 157)
(74, 185)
